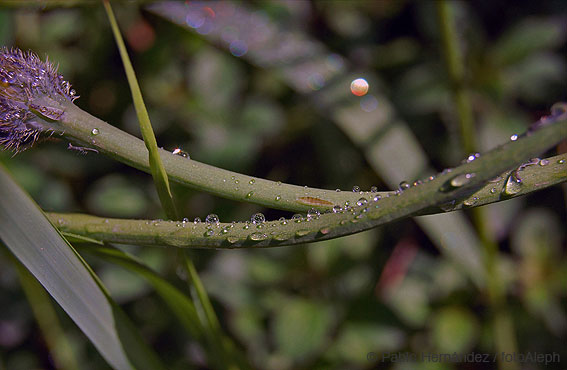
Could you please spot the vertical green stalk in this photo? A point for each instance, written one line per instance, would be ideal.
(213, 331)
(456, 71)
(502, 324)
(161, 182)
(156, 166)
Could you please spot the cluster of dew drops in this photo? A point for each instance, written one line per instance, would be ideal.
(259, 227)
(261, 230)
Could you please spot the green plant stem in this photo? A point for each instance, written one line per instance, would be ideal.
(456, 71)
(503, 328)
(80, 127)
(161, 182)
(213, 332)
(547, 172)
(157, 170)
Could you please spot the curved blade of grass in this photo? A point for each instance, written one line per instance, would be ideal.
(49, 324)
(438, 193)
(181, 305)
(29, 235)
(157, 170)
(162, 184)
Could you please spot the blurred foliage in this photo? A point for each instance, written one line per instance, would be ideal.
(325, 305)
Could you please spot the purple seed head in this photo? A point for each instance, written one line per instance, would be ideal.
(25, 78)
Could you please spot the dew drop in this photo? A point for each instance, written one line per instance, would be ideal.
(95, 131)
(252, 181)
(197, 220)
(181, 153)
(457, 182)
(283, 221)
(338, 190)
(461, 180)
(258, 218)
(212, 219)
(281, 237)
(377, 198)
(337, 209)
(278, 198)
(403, 186)
(209, 232)
(470, 202)
(302, 232)
(258, 237)
(246, 225)
(544, 162)
(249, 195)
(472, 157)
(513, 185)
(361, 202)
(359, 87)
(297, 218)
(313, 214)
(493, 191)
(232, 239)
(561, 161)
(374, 189)
(355, 189)
(514, 137)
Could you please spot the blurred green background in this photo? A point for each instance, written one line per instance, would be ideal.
(328, 304)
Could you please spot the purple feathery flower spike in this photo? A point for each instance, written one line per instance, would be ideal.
(25, 78)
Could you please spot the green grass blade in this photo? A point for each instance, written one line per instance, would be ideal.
(156, 166)
(162, 183)
(29, 235)
(51, 330)
(219, 344)
(179, 304)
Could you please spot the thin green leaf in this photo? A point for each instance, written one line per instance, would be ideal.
(51, 330)
(27, 233)
(156, 166)
(181, 305)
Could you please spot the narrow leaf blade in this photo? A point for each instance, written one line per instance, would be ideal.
(39, 246)
(157, 169)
